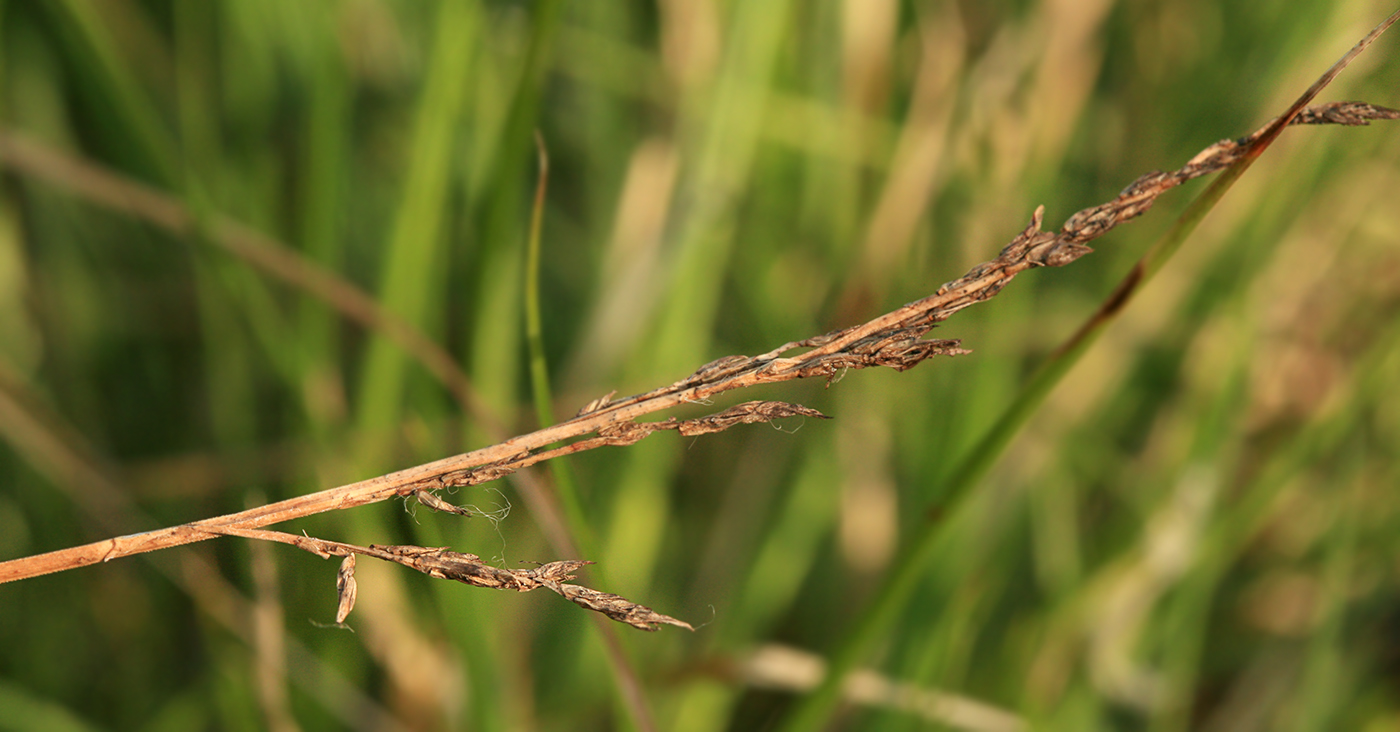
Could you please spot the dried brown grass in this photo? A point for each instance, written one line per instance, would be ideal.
(895, 339)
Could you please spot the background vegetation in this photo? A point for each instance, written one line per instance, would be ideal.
(1199, 530)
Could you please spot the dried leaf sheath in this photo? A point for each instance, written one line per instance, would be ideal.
(345, 588)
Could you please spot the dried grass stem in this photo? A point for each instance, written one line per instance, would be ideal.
(894, 339)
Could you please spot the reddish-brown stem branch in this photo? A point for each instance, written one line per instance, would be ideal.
(894, 340)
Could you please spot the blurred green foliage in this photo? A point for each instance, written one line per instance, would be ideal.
(1195, 532)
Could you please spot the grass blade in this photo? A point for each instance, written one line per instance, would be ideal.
(814, 711)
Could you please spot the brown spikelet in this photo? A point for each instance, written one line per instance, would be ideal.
(346, 588)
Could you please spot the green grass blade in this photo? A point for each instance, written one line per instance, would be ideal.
(1324, 684)
(409, 274)
(878, 619)
(534, 329)
(134, 131)
(26, 711)
(627, 686)
(564, 484)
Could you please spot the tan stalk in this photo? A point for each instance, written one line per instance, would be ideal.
(894, 340)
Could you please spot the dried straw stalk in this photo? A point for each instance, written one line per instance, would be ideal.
(894, 339)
